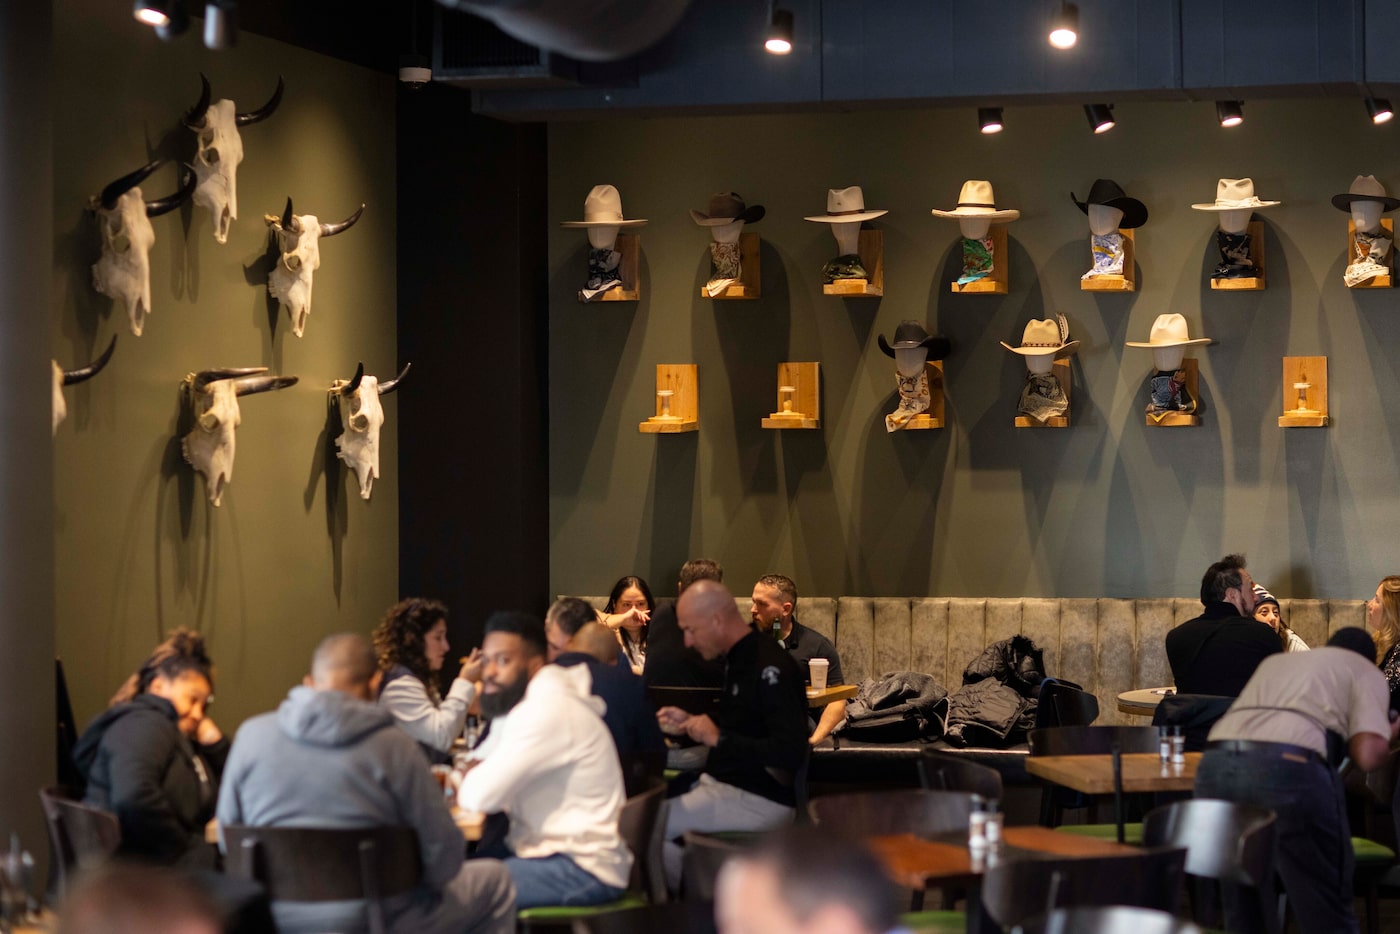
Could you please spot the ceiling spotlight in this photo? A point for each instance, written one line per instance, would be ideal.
(177, 24)
(779, 41)
(1231, 113)
(989, 119)
(220, 24)
(1064, 28)
(152, 12)
(1379, 109)
(1100, 117)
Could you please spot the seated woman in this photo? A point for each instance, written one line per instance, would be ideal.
(1266, 610)
(628, 613)
(411, 643)
(154, 759)
(1383, 620)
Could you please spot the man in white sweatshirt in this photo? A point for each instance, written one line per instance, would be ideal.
(554, 770)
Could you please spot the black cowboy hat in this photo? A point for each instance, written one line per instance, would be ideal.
(911, 334)
(1107, 193)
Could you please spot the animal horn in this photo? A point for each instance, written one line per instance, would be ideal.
(121, 186)
(349, 388)
(263, 112)
(330, 230)
(195, 117)
(287, 215)
(251, 384)
(169, 203)
(92, 369)
(391, 385)
(204, 377)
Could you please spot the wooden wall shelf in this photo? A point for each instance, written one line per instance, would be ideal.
(872, 257)
(1256, 253)
(680, 379)
(1180, 419)
(1123, 283)
(805, 408)
(1313, 371)
(750, 281)
(1386, 280)
(997, 281)
(933, 418)
(630, 246)
(1062, 373)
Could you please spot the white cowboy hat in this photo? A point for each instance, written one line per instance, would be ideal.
(845, 206)
(1170, 331)
(602, 208)
(1045, 337)
(1365, 188)
(1234, 194)
(976, 200)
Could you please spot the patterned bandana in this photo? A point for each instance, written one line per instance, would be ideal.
(913, 399)
(602, 273)
(846, 266)
(725, 258)
(1371, 251)
(1169, 395)
(1235, 261)
(1042, 397)
(977, 259)
(1108, 256)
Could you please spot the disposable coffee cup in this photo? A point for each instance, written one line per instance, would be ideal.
(817, 669)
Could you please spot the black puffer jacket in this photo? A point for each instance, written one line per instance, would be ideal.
(895, 707)
(996, 704)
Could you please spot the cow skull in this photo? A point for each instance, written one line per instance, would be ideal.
(220, 151)
(298, 243)
(213, 396)
(362, 416)
(124, 270)
(62, 377)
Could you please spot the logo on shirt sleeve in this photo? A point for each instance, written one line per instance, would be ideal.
(770, 675)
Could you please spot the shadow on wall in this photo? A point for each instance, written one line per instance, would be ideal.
(255, 274)
(325, 462)
(671, 503)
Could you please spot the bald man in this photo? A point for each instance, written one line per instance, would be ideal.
(331, 757)
(757, 735)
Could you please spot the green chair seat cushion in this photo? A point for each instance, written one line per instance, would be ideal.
(1132, 833)
(934, 922)
(565, 912)
(1369, 851)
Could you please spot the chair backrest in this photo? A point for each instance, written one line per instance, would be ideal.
(637, 827)
(81, 835)
(673, 917)
(704, 856)
(1091, 740)
(319, 864)
(1115, 919)
(1015, 891)
(1194, 713)
(940, 771)
(1062, 704)
(913, 811)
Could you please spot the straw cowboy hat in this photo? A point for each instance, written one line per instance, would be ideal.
(726, 207)
(976, 200)
(1107, 193)
(1170, 331)
(602, 208)
(1365, 188)
(1044, 337)
(1234, 194)
(845, 206)
(911, 334)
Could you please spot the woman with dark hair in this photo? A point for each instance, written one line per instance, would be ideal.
(628, 614)
(154, 759)
(411, 643)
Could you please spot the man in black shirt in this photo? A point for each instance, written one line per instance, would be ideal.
(670, 663)
(774, 602)
(1217, 652)
(757, 734)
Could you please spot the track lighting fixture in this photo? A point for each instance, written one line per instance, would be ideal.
(1379, 109)
(779, 40)
(220, 24)
(178, 24)
(152, 12)
(1064, 27)
(1100, 117)
(1231, 113)
(989, 119)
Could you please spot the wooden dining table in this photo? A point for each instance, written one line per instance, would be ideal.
(834, 692)
(1144, 701)
(1093, 775)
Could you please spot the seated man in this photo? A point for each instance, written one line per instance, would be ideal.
(1217, 652)
(757, 736)
(670, 662)
(774, 603)
(554, 769)
(331, 757)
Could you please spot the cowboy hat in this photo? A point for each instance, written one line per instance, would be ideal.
(911, 334)
(602, 208)
(726, 207)
(1107, 193)
(845, 206)
(976, 200)
(1044, 337)
(1365, 188)
(1170, 331)
(1234, 194)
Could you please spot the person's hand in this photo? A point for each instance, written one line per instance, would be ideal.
(702, 729)
(633, 620)
(472, 667)
(208, 733)
(672, 720)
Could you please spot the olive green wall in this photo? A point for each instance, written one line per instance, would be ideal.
(293, 553)
(1107, 507)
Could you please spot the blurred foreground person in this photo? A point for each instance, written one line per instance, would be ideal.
(130, 898)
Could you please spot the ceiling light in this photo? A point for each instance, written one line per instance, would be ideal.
(779, 41)
(152, 12)
(989, 119)
(1379, 109)
(1064, 28)
(1100, 117)
(1231, 113)
(220, 24)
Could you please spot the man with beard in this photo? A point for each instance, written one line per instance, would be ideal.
(554, 769)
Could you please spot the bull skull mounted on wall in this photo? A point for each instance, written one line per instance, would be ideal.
(298, 245)
(213, 397)
(362, 416)
(124, 271)
(62, 377)
(220, 151)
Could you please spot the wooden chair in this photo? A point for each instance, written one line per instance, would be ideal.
(1115, 919)
(316, 864)
(1022, 889)
(80, 835)
(705, 855)
(912, 810)
(1064, 704)
(941, 771)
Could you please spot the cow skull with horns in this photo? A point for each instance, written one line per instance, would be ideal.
(124, 270)
(362, 416)
(213, 396)
(220, 151)
(298, 243)
(62, 377)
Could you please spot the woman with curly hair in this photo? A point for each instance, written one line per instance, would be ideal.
(154, 759)
(628, 615)
(411, 643)
(1383, 619)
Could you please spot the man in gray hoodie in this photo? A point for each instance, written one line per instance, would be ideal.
(330, 757)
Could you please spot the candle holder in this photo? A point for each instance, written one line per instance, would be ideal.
(676, 400)
(799, 400)
(1305, 382)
